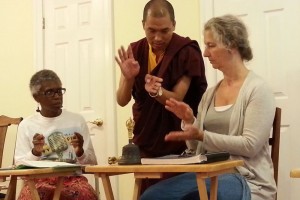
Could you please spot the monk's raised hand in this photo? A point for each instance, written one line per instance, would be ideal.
(128, 65)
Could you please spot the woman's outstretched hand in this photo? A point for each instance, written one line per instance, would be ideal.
(182, 110)
(190, 133)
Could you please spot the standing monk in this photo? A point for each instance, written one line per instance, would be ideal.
(160, 66)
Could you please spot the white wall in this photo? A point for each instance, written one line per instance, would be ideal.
(16, 66)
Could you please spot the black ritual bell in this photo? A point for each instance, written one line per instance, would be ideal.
(130, 152)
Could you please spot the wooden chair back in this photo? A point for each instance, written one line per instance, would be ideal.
(274, 142)
(5, 122)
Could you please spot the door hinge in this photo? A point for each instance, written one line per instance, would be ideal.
(44, 23)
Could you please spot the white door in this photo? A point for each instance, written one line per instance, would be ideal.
(274, 37)
(78, 46)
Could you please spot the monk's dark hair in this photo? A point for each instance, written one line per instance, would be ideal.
(159, 8)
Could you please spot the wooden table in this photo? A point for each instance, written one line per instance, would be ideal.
(30, 174)
(295, 173)
(202, 171)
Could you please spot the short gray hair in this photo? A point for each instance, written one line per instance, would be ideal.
(41, 76)
(232, 32)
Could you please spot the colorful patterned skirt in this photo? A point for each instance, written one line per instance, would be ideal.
(74, 188)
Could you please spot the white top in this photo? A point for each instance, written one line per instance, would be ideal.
(57, 132)
(223, 108)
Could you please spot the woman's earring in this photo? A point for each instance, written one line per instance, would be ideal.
(38, 108)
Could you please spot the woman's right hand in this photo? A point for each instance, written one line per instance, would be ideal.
(190, 133)
(182, 110)
(128, 65)
(38, 142)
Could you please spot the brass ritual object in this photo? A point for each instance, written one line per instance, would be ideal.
(130, 152)
(130, 126)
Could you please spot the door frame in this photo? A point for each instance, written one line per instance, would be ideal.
(206, 12)
(38, 50)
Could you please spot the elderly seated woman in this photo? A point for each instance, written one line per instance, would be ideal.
(56, 134)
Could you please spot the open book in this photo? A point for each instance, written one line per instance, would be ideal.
(186, 159)
(44, 164)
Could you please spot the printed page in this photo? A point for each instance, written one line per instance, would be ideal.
(44, 164)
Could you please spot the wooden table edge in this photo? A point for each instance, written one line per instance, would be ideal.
(209, 167)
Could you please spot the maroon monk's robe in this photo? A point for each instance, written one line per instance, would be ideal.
(152, 121)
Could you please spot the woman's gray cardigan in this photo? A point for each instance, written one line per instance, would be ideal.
(249, 131)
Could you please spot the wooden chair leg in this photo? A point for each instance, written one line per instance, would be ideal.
(58, 188)
(202, 188)
(107, 187)
(11, 191)
(97, 185)
(34, 192)
(213, 188)
(137, 188)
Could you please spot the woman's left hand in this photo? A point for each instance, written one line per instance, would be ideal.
(182, 110)
(190, 133)
(77, 143)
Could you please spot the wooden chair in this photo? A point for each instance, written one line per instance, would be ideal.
(5, 122)
(274, 142)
